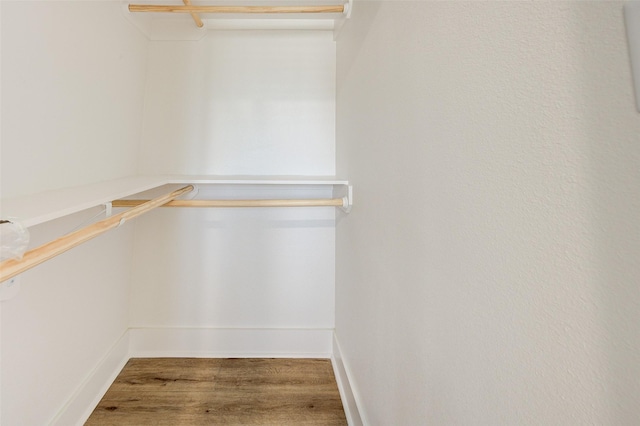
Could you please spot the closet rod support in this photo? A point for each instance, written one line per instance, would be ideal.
(108, 209)
(347, 200)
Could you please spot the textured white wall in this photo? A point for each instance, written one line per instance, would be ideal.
(632, 23)
(488, 273)
(72, 95)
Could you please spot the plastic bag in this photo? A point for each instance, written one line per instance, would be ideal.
(14, 240)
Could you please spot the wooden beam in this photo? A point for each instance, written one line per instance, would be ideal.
(236, 9)
(195, 16)
(12, 267)
(327, 202)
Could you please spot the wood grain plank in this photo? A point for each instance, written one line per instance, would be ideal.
(240, 391)
(174, 374)
(277, 371)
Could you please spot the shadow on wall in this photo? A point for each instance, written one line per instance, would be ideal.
(613, 145)
(366, 17)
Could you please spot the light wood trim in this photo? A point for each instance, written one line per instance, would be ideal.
(324, 202)
(236, 9)
(12, 267)
(195, 16)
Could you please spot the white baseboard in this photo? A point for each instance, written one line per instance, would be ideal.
(88, 395)
(230, 343)
(349, 401)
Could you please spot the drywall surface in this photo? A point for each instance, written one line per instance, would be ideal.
(69, 313)
(488, 272)
(72, 95)
(239, 268)
(241, 103)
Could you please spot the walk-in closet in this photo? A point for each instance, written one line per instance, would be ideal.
(436, 203)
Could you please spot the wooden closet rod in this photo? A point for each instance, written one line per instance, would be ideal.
(195, 16)
(236, 9)
(12, 267)
(324, 202)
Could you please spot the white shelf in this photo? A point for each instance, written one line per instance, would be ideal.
(254, 180)
(43, 207)
(40, 208)
(180, 26)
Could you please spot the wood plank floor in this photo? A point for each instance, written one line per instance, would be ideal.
(222, 391)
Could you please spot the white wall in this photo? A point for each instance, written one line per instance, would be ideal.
(72, 87)
(488, 272)
(236, 268)
(239, 103)
(632, 24)
(72, 95)
(69, 313)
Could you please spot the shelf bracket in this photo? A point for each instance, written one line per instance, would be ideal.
(346, 193)
(108, 209)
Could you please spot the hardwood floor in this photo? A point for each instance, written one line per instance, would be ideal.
(222, 391)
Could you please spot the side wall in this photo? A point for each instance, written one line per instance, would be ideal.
(72, 94)
(488, 272)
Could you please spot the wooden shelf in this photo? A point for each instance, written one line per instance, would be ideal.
(43, 207)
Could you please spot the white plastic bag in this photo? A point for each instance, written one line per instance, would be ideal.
(14, 240)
